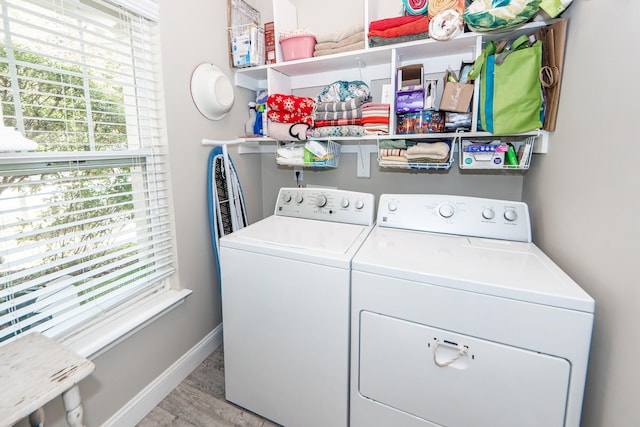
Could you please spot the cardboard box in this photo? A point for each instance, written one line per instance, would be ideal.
(410, 101)
(456, 97)
(269, 43)
(410, 77)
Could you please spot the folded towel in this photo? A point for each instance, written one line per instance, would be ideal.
(392, 143)
(348, 48)
(375, 105)
(384, 41)
(338, 122)
(337, 115)
(291, 103)
(438, 148)
(385, 24)
(414, 27)
(325, 131)
(375, 119)
(425, 159)
(342, 106)
(339, 35)
(384, 152)
(354, 38)
(287, 131)
(283, 117)
(398, 159)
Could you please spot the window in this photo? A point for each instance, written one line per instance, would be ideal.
(85, 222)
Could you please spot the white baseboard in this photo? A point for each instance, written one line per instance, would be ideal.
(138, 407)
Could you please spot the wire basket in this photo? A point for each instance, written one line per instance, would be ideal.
(246, 45)
(399, 161)
(312, 154)
(491, 154)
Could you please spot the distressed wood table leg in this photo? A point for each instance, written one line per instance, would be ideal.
(73, 406)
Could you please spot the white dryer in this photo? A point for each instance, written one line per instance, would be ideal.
(285, 306)
(459, 320)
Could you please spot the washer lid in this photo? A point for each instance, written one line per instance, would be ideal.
(325, 242)
(502, 268)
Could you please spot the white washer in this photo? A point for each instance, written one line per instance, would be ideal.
(453, 330)
(285, 306)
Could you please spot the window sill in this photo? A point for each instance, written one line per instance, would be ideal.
(110, 329)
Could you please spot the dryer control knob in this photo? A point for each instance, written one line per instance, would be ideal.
(299, 198)
(392, 207)
(488, 213)
(286, 198)
(510, 215)
(359, 204)
(321, 201)
(446, 210)
(344, 203)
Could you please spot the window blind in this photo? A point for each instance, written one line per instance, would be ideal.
(85, 222)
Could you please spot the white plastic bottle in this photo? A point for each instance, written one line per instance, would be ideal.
(251, 121)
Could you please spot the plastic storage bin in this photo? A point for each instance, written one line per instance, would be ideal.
(298, 47)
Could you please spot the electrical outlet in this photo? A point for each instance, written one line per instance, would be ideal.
(297, 175)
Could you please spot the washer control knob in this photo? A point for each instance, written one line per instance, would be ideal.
(446, 210)
(344, 203)
(392, 207)
(510, 215)
(286, 198)
(488, 213)
(359, 204)
(321, 201)
(299, 198)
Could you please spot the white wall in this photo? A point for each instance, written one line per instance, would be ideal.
(585, 200)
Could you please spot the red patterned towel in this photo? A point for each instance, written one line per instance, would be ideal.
(291, 104)
(283, 117)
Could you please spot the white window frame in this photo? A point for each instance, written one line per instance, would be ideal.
(105, 326)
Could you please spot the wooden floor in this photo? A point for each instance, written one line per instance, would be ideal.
(199, 401)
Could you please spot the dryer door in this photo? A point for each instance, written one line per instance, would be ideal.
(456, 380)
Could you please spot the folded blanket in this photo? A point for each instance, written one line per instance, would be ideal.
(418, 26)
(283, 117)
(392, 143)
(430, 149)
(384, 41)
(291, 103)
(342, 106)
(339, 122)
(336, 115)
(287, 131)
(354, 38)
(339, 35)
(372, 113)
(348, 48)
(424, 159)
(337, 131)
(385, 24)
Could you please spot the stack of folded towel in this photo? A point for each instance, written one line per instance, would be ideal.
(397, 30)
(351, 38)
(375, 118)
(397, 150)
(290, 117)
(339, 109)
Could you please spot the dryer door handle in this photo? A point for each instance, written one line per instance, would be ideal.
(462, 351)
